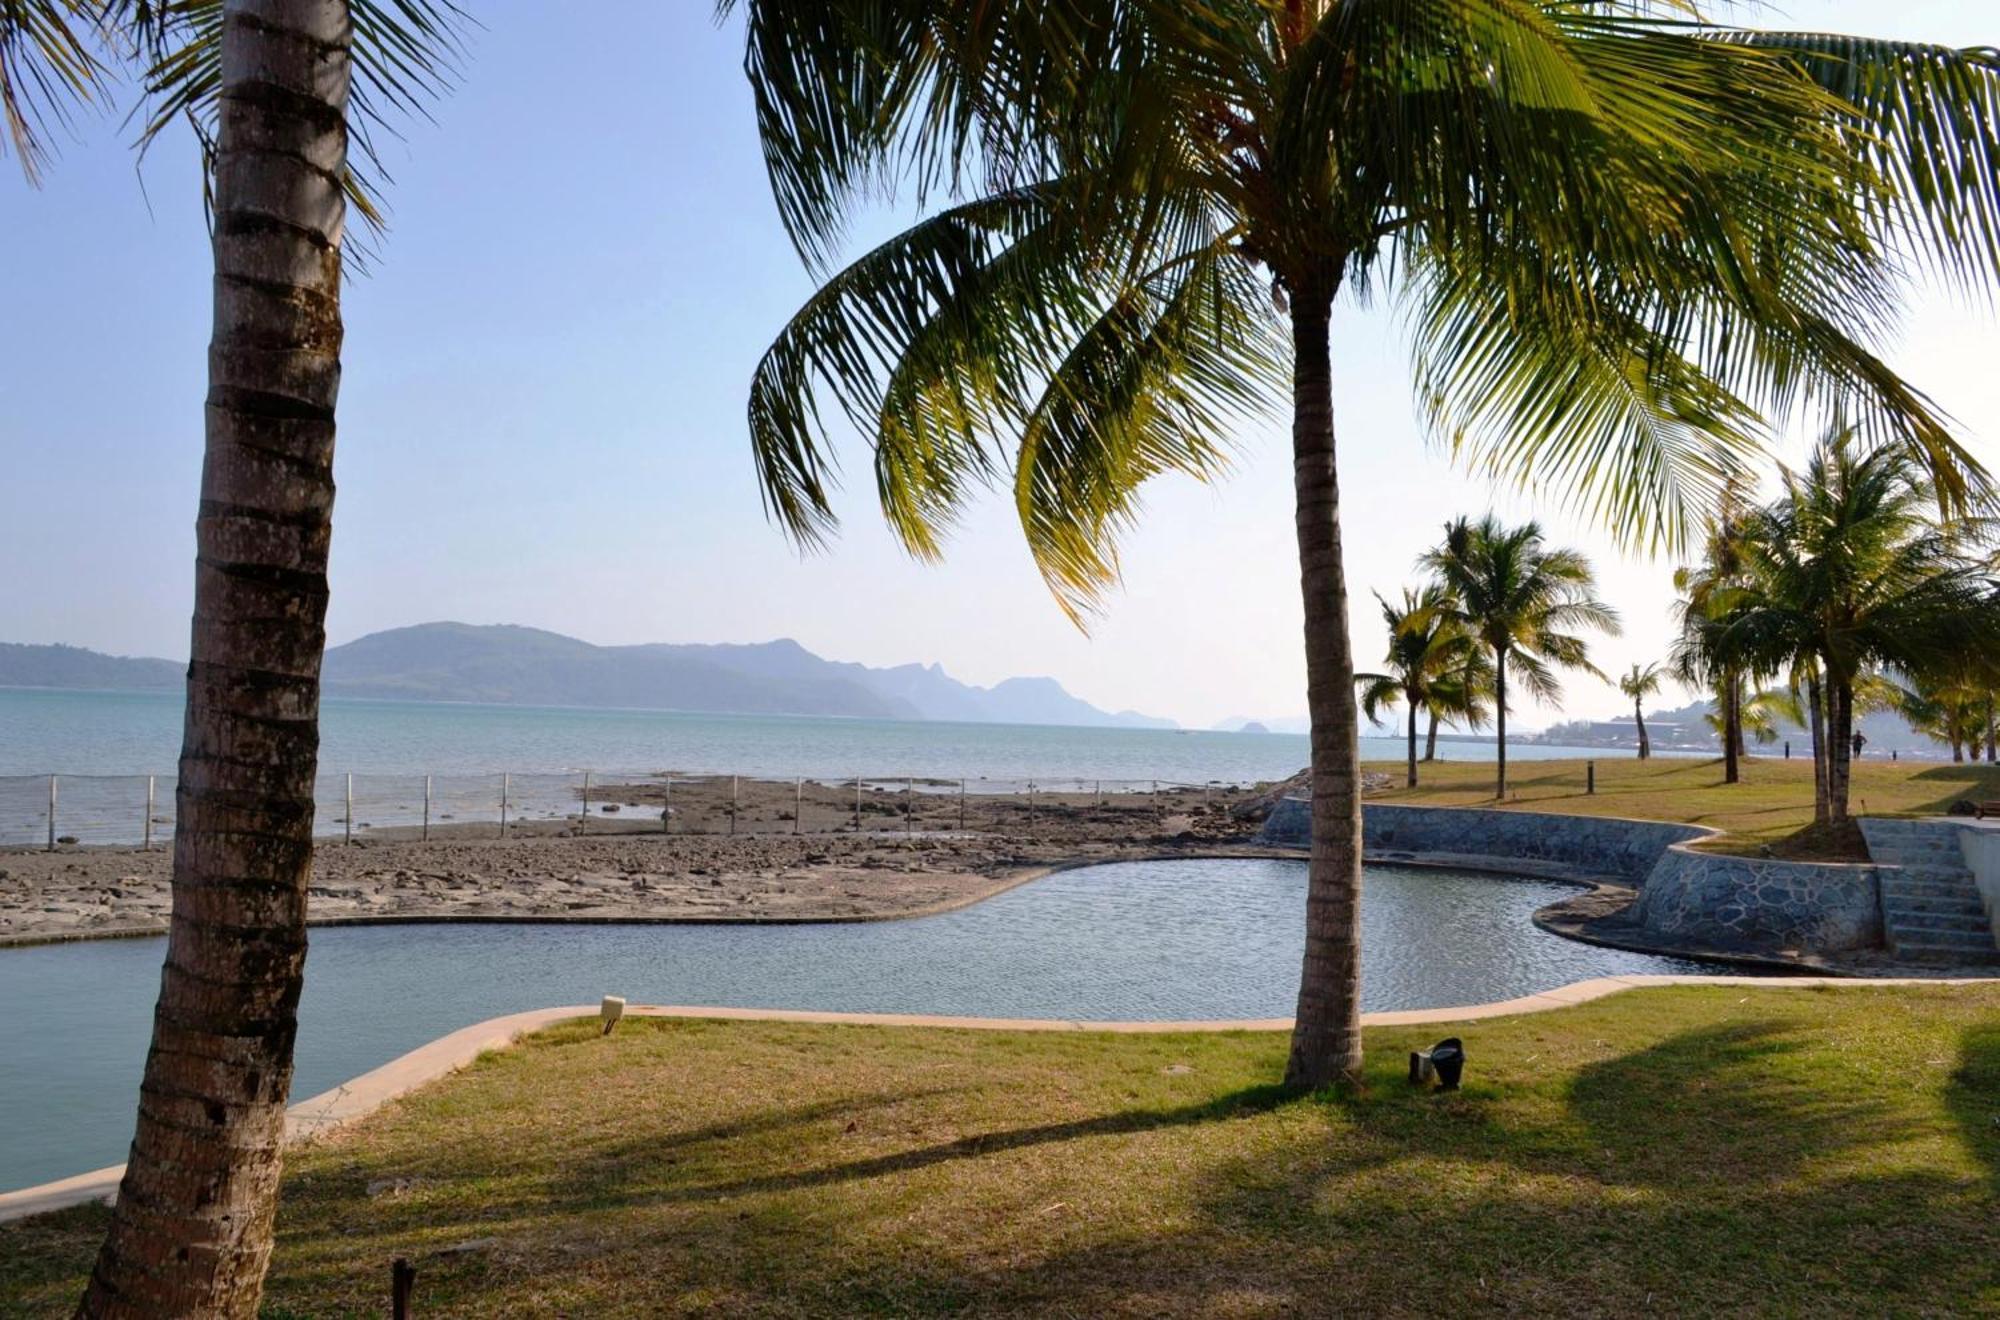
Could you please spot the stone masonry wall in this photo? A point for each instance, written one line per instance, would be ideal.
(1686, 898)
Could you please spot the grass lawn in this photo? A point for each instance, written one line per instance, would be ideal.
(1685, 1150)
(1773, 802)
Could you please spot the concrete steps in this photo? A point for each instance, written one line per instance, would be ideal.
(1931, 908)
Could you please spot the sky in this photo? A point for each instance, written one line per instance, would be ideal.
(541, 411)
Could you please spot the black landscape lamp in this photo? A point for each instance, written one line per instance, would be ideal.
(1444, 1061)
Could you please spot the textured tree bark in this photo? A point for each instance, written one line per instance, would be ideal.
(1732, 771)
(1326, 1038)
(1431, 739)
(1500, 718)
(1816, 712)
(192, 1231)
(1639, 717)
(1413, 741)
(1840, 748)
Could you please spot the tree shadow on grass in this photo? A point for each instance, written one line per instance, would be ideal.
(1974, 1097)
(1724, 1103)
(626, 1164)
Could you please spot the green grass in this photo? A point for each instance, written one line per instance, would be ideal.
(1773, 803)
(1688, 1150)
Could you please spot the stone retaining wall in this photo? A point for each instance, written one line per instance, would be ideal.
(1686, 898)
(1586, 847)
(1758, 905)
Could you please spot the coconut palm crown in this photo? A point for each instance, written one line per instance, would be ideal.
(1433, 666)
(1622, 239)
(1640, 682)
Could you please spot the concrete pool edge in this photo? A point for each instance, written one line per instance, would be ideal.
(363, 1095)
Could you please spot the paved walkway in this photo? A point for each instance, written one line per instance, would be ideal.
(363, 1095)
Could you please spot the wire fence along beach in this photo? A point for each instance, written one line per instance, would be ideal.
(55, 811)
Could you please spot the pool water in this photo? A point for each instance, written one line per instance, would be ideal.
(1132, 940)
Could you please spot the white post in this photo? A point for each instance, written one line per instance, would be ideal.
(348, 823)
(427, 808)
(148, 845)
(506, 785)
(798, 804)
(52, 813)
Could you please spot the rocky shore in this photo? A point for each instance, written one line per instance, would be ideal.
(550, 872)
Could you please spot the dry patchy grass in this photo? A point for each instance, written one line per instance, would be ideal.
(1686, 1150)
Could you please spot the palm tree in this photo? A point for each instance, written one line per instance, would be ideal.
(1851, 566)
(1599, 222)
(1640, 682)
(1522, 600)
(1701, 651)
(1429, 659)
(192, 1230)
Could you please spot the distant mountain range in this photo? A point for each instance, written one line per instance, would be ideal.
(511, 665)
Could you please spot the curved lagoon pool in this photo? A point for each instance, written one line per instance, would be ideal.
(1132, 940)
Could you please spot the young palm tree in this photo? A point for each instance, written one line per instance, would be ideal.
(1851, 566)
(1616, 236)
(1522, 600)
(1429, 660)
(191, 1233)
(1640, 682)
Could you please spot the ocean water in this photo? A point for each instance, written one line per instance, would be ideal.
(135, 733)
(104, 746)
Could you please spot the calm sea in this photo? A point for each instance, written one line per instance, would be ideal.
(401, 760)
(122, 733)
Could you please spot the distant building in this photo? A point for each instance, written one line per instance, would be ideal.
(1625, 731)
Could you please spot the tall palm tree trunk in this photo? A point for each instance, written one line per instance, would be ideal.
(1413, 742)
(1639, 718)
(1816, 712)
(1326, 1038)
(1732, 770)
(1992, 732)
(1500, 723)
(1840, 748)
(1431, 739)
(192, 1231)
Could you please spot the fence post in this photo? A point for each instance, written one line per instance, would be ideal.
(799, 805)
(149, 814)
(732, 803)
(1031, 804)
(1100, 792)
(347, 824)
(961, 806)
(667, 807)
(427, 808)
(1590, 778)
(52, 813)
(909, 805)
(857, 804)
(506, 786)
(584, 820)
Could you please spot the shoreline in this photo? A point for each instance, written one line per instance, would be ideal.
(326, 1113)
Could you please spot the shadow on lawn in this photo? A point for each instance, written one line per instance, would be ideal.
(1974, 1097)
(636, 1161)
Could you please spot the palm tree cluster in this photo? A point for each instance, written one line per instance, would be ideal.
(1849, 590)
(1499, 598)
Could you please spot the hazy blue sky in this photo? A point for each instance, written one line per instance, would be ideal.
(541, 417)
